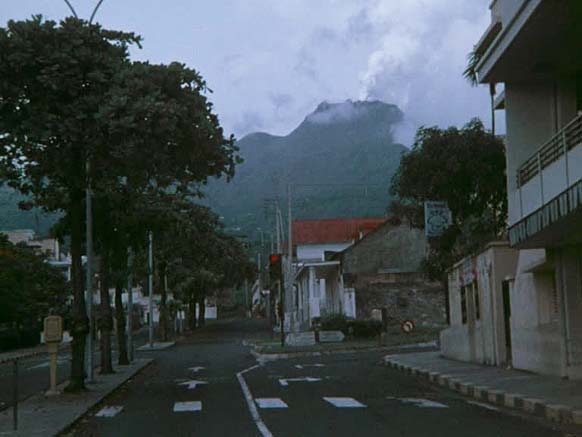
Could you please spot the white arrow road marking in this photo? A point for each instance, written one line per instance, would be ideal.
(302, 366)
(251, 403)
(196, 369)
(285, 382)
(182, 407)
(486, 406)
(192, 384)
(110, 411)
(271, 403)
(344, 402)
(423, 403)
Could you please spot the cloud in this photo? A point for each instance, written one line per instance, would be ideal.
(282, 100)
(420, 59)
(271, 62)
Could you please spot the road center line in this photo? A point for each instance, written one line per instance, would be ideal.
(251, 402)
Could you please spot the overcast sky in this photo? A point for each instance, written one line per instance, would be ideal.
(270, 62)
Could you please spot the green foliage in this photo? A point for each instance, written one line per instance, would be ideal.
(74, 110)
(464, 167)
(470, 72)
(365, 328)
(358, 328)
(335, 322)
(30, 289)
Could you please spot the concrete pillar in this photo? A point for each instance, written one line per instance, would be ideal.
(322, 293)
(570, 275)
(313, 296)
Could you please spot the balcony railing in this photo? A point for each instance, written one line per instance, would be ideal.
(559, 145)
(549, 185)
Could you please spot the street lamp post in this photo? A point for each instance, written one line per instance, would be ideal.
(89, 275)
(129, 304)
(151, 287)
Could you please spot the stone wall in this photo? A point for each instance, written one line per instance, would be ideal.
(406, 296)
(389, 249)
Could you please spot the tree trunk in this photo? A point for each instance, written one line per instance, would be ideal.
(79, 322)
(122, 358)
(192, 311)
(106, 319)
(163, 305)
(201, 308)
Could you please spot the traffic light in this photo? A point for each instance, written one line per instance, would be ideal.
(275, 267)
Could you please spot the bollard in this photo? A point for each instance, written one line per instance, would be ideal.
(15, 394)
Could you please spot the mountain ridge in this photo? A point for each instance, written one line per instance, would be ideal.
(346, 145)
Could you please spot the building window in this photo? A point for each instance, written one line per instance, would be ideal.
(464, 305)
(477, 300)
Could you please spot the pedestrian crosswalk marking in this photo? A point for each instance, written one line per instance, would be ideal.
(180, 407)
(197, 369)
(344, 402)
(110, 411)
(266, 403)
(423, 403)
(302, 366)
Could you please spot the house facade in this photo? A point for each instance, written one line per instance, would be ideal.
(385, 270)
(480, 308)
(530, 52)
(318, 288)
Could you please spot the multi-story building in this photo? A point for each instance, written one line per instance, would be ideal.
(532, 51)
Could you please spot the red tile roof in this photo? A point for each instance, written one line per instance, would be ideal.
(334, 230)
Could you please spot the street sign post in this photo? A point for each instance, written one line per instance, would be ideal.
(437, 218)
(53, 335)
(407, 326)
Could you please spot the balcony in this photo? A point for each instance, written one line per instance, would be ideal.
(549, 189)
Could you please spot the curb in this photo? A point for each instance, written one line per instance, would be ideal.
(283, 356)
(66, 427)
(538, 407)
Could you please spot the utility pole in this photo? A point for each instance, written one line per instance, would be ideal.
(492, 93)
(151, 287)
(289, 264)
(247, 306)
(129, 304)
(89, 274)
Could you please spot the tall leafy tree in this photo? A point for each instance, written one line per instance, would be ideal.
(68, 96)
(52, 80)
(464, 167)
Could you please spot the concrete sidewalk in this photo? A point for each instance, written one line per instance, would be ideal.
(546, 396)
(42, 416)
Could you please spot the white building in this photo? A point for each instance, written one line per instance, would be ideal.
(319, 288)
(480, 307)
(531, 49)
(50, 247)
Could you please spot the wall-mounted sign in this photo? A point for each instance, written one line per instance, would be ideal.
(437, 218)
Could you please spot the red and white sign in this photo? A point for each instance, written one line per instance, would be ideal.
(407, 326)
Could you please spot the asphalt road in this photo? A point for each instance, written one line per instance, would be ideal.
(336, 395)
(33, 373)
